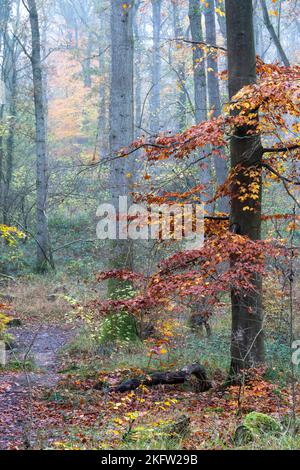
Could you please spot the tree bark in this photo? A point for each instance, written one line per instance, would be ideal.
(273, 34)
(200, 89)
(121, 122)
(195, 16)
(42, 232)
(247, 342)
(137, 74)
(168, 378)
(156, 68)
(4, 17)
(103, 100)
(181, 74)
(214, 99)
(11, 132)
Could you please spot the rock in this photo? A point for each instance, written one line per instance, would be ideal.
(52, 297)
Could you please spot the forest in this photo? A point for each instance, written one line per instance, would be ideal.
(149, 225)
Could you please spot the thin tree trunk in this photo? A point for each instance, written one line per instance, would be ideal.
(156, 68)
(42, 233)
(1, 160)
(138, 77)
(11, 135)
(214, 99)
(102, 116)
(4, 17)
(247, 343)
(200, 88)
(181, 75)
(198, 61)
(273, 34)
(121, 121)
(86, 64)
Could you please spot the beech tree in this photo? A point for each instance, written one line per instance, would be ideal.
(121, 116)
(247, 347)
(42, 232)
(155, 67)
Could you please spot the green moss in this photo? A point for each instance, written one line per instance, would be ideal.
(256, 424)
(259, 423)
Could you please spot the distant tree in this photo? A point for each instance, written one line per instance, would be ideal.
(155, 67)
(273, 33)
(214, 99)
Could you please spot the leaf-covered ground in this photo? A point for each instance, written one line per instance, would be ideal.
(49, 409)
(54, 391)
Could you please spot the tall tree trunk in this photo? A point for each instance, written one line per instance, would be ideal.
(247, 343)
(137, 74)
(103, 98)
(273, 34)
(214, 94)
(155, 68)
(195, 16)
(42, 233)
(121, 120)
(181, 75)
(86, 64)
(4, 18)
(200, 87)
(11, 133)
(1, 159)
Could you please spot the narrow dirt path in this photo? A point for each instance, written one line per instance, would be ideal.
(42, 345)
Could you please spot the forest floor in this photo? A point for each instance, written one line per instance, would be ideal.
(38, 347)
(54, 389)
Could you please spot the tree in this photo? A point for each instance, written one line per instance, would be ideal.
(4, 17)
(247, 343)
(180, 69)
(121, 117)
(273, 34)
(195, 16)
(155, 68)
(42, 232)
(200, 84)
(214, 100)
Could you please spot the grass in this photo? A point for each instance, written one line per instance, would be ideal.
(14, 365)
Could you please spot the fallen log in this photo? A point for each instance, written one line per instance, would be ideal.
(195, 371)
